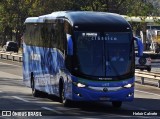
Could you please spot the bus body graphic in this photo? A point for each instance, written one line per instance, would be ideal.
(80, 56)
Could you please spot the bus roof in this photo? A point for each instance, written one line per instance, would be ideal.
(87, 20)
(31, 20)
(102, 21)
(42, 18)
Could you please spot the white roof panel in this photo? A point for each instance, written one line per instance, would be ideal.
(31, 20)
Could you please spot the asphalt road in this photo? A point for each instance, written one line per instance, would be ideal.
(155, 67)
(15, 97)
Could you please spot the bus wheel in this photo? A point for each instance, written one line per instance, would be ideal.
(35, 92)
(149, 69)
(63, 100)
(141, 69)
(116, 104)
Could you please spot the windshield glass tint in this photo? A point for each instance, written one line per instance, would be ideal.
(103, 54)
(12, 44)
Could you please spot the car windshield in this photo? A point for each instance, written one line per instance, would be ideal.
(103, 54)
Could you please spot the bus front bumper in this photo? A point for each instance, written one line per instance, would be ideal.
(102, 93)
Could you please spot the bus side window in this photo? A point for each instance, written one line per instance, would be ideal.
(29, 36)
(59, 32)
(48, 40)
(39, 34)
(44, 32)
(36, 35)
(52, 37)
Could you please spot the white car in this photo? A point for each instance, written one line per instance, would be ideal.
(143, 63)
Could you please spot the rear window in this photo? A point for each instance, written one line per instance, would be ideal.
(12, 44)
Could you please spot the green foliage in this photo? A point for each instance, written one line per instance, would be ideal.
(14, 12)
(139, 8)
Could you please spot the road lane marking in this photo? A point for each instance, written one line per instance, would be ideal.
(147, 92)
(53, 110)
(10, 64)
(16, 97)
(9, 75)
(47, 102)
(146, 81)
(64, 108)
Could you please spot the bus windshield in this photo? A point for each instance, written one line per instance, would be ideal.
(103, 54)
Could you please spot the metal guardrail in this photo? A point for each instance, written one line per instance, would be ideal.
(11, 56)
(155, 60)
(148, 75)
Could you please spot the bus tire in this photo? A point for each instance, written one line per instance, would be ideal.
(117, 104)
(149, 69)
(63, 100)
(141, 69)
(35, 92)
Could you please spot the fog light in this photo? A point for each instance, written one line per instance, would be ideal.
(130, 94)
(79, 95)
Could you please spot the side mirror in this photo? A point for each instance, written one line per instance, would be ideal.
(139, 45)
(69, 45)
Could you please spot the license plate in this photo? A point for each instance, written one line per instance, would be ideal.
(104, 98)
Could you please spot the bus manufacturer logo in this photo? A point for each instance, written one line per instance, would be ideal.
(105, 89)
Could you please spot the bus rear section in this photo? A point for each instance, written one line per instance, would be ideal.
(97, 62)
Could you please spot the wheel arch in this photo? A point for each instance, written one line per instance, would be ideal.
(31, 78)
(61, 85)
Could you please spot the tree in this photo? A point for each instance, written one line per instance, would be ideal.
(142, 9)
(14, 12)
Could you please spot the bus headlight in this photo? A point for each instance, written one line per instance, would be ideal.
(128, 85)
(80, 85)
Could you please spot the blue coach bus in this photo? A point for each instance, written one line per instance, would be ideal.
(69, 54)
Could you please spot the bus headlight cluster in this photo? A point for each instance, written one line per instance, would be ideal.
(128, 85)
(80, 85)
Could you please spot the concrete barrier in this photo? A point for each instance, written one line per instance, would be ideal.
(11, 56)
(148, 75)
